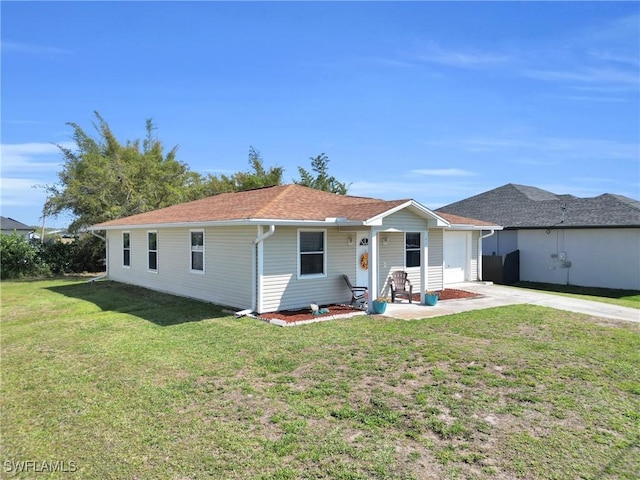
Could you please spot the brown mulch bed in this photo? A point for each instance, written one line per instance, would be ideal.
(304, 314)
(292, 316)
(450, 294)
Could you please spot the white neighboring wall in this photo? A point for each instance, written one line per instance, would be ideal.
(600, 257)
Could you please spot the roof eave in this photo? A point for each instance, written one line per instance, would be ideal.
(460, 226)
(229, 223)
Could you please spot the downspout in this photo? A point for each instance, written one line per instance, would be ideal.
(480, 238)
(257, 266)
(106, 247)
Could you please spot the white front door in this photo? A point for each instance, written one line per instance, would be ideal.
(362, 248)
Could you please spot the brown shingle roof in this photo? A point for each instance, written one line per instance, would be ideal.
(284, 202)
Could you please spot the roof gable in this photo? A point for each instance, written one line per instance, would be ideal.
(519, 206)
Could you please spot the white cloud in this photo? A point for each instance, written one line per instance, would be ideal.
(550, 147)
(34, 156)
(31, 49)
(443, 172)
(606, 75)
(21, 192)
(431, 194)
(433, 53)
(26, 165)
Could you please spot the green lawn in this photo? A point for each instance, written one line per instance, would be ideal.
(624, 298)
(124, 383)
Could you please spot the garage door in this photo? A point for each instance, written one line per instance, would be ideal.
(455, 257)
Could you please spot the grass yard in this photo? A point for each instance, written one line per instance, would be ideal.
(624, 298)
(119, 382)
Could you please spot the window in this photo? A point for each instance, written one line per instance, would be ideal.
(126, 249)
(312, 252)
(197, 251)
(152, 238)
(412, 249)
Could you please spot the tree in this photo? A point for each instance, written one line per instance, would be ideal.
(102, 179)
(256, 177)
(322, 181)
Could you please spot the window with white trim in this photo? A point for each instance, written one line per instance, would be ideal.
(152, 251)
(197, 251)
(126, 249)
(312, 259)
(412, 249)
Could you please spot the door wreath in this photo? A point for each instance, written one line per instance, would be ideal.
(364, 261)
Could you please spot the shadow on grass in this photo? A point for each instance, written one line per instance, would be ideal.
(592, 291)
(160, 308)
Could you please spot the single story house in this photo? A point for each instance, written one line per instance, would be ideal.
(9, 226)
(284, 247)
(562, 239)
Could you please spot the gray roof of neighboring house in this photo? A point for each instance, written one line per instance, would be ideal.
(520, 206)
(11, 224)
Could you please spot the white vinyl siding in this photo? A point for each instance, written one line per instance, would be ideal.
(401, 222)
(281, 288)
(404, 221)
(436, 259)
(391, 258)
(228, 249)
(473, 272)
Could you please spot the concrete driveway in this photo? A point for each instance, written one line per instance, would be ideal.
(500, 295)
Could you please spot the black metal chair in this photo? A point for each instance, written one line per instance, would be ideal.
(359, 295)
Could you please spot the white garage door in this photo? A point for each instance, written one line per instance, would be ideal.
(455, 257)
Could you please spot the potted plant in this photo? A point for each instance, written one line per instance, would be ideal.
(380, 305)
(431, 298)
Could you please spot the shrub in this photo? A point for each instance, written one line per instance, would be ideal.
(89, 254)
(58, 256)
(20, 257)
(23, 258)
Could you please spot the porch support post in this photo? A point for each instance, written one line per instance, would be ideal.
(373, 269)
(424, 264)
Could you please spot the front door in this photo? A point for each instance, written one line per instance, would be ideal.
(362, 259)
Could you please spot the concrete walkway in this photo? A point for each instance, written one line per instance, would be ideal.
(500, 295)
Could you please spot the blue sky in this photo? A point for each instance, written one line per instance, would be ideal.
(426, 100)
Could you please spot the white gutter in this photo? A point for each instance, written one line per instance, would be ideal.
(480, 238)
(229, 223)
(106, 247)
(256, 274)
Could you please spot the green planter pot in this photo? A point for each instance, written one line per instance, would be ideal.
(379, 307)
(430, 300)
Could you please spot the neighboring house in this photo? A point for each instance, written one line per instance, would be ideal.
(562, 239)
(9, 225)
(284, 247)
